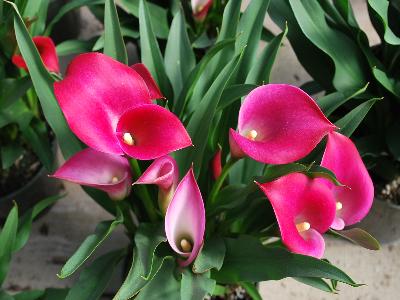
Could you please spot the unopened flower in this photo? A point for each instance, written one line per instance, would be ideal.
(304, 209)
(216, 164)
(47, 52)
(107, 172)
(108, 105)
(200, 9)
(278, 124)
(185, 219)
(164, 173)
(354, 199)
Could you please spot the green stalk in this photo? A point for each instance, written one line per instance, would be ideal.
(128, 222)
(143, 192)
(220, 181)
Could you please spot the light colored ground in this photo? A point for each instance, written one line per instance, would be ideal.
(57, 234)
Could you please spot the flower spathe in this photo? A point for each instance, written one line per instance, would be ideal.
(164, 173)
(185, 219)
(304, 209)
(154, 91)
(47, 52)
(354, 199)
(216, 164)
(99, 97)
(200, 9)
(107, 172)
(278, 124)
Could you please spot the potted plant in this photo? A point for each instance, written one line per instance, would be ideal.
(366, 80)
(224, 191)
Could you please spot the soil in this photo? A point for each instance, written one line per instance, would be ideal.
(236, 292)
(19, 174)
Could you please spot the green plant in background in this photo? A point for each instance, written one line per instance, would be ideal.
(357, 77)
(205, 93)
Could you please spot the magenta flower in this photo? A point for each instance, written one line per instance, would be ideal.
(107, 172)
(278, 124)
(154, 91)
(164, 173)
(216, 165)
(200, 9)
(304, 209)
(354, 200)
(47, 52)
(185, 219)
(108, 106)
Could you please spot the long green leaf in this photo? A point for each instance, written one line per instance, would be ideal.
(43, 83)
(36, 10)
(94, 279)
(12, 89)
(381, 8)
(349, 73)
(317, 283)
(359, 237)
(114, 45)
(234, 93)
(150, 51)
(7, 239)
(179, 56)
(89, 245)
(349, 123)
(73, 47)
(391, 84)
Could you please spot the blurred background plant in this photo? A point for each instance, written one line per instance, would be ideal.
(354, 75)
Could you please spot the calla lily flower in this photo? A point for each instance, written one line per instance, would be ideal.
(154, 91)
(354, 199)
(47, 52)
(185, 220)
(200, 9)
(163, 172)
(216, 165)
(278, 124)
(108, 106)
(304, 209)
(106, 172)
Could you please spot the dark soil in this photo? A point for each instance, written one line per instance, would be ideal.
(19, 174)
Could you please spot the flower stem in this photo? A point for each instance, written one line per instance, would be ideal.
(220, 180)
(143, 192)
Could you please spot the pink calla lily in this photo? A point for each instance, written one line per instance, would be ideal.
(154, 91)
(216, 164)
(107, 172)
(185, 219)
(163, 172)
(354, 199)
(271, 131)
(304, 209)
(200, 9)
(100, 97)
(47, 52)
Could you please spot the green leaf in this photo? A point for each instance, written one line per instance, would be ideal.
(37, 137)
(333, 101)
(393, 141)
(25, 223)
(145, 264)
(7, 239)
(317, 283)
(12, 89)
(349, 123)
(43, 83)
(67, 7)
(196, 286)
(179, 56)
(5, 296)
(29, 295)
(94, 279)
(55, 294)
(359, 237)
(261, 71)
(349, 72)
(211, 256)
(273, 172)
(126, 32)
(150, 51)
(234, 93)
(36, 10)
(200, 122)
(249, 30)
(157, 15)
(163, 285)
(318, 171)
(114, 45)
(381, 8)
(252, 290)
(9, 154)
(388, 83)
(246, 260)
(74, 47)
(89, 245)
(17, 112)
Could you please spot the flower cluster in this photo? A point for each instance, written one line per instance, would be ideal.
(108, 105)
